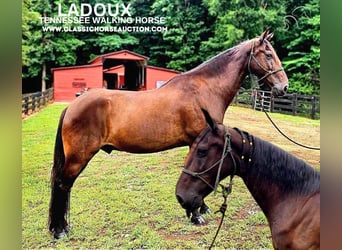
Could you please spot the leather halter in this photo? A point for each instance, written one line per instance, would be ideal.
(227, 151)
(268, 72)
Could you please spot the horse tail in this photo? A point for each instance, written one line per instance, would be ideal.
(59, 157)
(59, 203)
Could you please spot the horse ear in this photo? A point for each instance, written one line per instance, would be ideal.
(266, 35)
(209, 120)
(269, 36)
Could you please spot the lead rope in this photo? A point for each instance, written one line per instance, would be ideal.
(225, 192)
(281, 132)
(260, 97)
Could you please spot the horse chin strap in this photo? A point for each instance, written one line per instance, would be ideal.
(268, 72)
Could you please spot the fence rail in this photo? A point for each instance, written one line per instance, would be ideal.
(33, 102)
(293, 104)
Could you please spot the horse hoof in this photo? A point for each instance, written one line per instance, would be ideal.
(60, 235)
(205, 210)
(197, 220)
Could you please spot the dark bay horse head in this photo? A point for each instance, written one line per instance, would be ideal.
(264, 63)
(286, 188)
(202, 166)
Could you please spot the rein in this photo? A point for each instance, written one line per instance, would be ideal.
(268, 73)
(281, 132)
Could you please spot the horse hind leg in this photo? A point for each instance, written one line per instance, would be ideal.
(59, 207)
(62, 183)
(71, 156)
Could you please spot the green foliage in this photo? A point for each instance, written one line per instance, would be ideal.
(28, 17)
(197, 30)
(303, 43)
(188, 25)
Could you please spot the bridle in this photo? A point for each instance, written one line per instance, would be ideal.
(228, 189)
(268, 72)
(227, 151)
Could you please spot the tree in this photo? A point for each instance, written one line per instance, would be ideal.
(188, 25)
(303, 44)
(28, 16)
(197, 30)
(43, 50)
(241, 20)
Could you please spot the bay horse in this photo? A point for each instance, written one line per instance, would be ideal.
(155, 120)
(285, 187)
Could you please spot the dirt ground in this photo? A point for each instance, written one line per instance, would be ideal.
(303, 130)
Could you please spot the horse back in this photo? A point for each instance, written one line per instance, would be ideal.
(138, 122)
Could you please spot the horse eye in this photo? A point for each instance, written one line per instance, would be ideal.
(269, 56)
(202, 153)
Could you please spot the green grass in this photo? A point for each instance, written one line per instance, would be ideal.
(127, 200)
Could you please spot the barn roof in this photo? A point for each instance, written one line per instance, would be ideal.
(163, 69)
(76, 67)
(122, 54)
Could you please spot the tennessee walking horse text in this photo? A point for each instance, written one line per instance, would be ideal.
(285, 187)
(151, 121)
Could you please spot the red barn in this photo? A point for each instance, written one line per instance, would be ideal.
(118, 70)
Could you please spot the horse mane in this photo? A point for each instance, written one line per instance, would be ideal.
(217, 64)
(212, 67)
(291, 174)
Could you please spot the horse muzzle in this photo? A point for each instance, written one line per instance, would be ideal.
(190, 202)
(280, 91)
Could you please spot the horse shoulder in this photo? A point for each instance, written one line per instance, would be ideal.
(298, 227)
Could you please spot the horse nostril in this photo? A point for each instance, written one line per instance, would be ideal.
(286, 88)
(180, 200)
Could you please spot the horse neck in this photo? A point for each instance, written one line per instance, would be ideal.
(265, 194)
(273, 176)
(218, 80)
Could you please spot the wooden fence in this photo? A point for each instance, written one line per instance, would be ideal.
(293, 104)
(33, 102)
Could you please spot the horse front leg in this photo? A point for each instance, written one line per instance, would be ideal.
(196, 216)
(205, 209)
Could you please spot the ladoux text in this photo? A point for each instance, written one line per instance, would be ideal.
(99, 9)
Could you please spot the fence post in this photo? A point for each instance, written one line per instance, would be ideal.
(294, 104)
(26, 105)
(313, 107)
(236, 97)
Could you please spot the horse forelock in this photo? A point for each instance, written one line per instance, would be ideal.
(291, 174)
